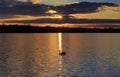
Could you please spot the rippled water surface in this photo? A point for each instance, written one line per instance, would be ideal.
(37, 55)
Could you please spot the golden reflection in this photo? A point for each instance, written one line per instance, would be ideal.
(60, 41)
(61, 72)
(60, 64)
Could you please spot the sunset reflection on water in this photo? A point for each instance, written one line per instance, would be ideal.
(37, 55)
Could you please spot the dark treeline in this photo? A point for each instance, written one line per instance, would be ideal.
(48, 29)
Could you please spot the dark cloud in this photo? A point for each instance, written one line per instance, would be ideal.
(83, 7)
(7, 2)
(4, 16)
(22, 8)
(31, 9)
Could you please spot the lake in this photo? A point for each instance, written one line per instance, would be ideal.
(37, 55)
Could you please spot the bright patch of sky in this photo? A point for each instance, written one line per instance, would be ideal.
(104, 12)
(62, 2)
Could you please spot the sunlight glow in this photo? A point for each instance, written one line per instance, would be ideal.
(54, 14)
(27, 17)
(51, 12)
(58, 16)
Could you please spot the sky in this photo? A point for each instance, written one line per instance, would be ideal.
(62, 2)
(28, 13)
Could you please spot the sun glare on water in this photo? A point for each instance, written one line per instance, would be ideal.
(60, 41)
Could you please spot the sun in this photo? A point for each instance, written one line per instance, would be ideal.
(54, 14)
(58, 16)
(51, 12)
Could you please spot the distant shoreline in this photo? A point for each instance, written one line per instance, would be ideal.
(48, 29)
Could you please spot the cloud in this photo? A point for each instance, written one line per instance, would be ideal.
(24, 9)
(107, 13)
(32, 1)
(111, 1)
(27, 11)
(35, 1)
(83, 7)
(7, 1)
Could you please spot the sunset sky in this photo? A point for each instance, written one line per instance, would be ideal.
(17, 10)
(62, 2)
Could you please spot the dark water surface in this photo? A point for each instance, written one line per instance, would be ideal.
(36, 55)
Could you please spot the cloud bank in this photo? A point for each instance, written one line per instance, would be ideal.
(17, 10)
(21, 8)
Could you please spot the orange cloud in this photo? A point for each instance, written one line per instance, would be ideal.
(34, 1)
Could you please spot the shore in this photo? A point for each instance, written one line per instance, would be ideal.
(48, 29)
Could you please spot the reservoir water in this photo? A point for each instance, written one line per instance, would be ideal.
(37, 55)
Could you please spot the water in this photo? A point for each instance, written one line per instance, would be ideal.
(37, 55)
